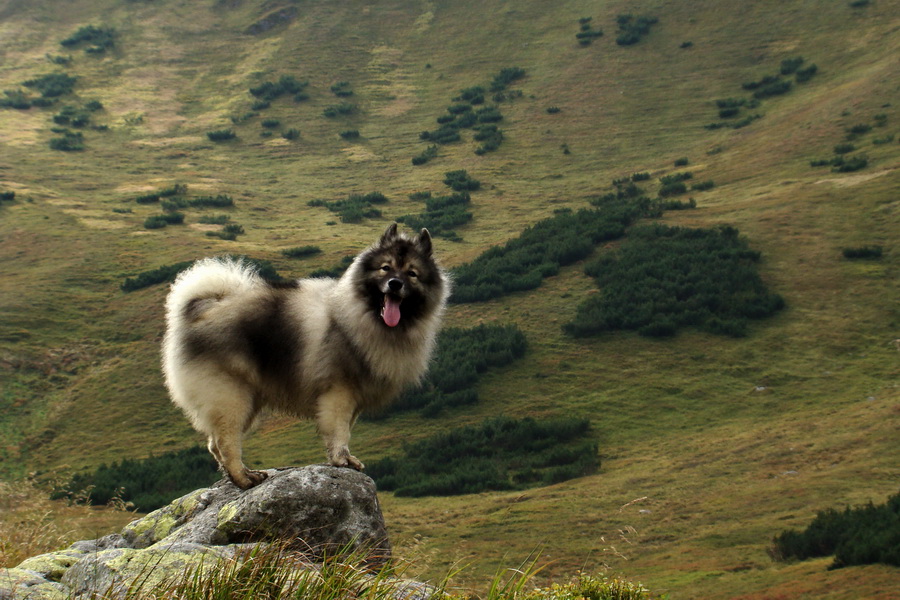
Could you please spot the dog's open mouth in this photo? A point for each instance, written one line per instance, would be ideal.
(390, 310)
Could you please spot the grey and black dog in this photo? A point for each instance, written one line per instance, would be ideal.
(320, 348)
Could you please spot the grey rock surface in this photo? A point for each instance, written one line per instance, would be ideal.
(317, 510)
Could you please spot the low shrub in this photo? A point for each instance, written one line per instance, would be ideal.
(160, 221)
(702, 186)
(52, 85)
(339, 110)
(221, 135)
(461, 181)
(356, 207)
(789, 66)
(342, 89)
(148, 483)
(664, 278)
(291, 134)
(217, 201)
(270, 90)
(270, 123)
(499, 454)
(862, 535)
(301, 251)
(213, 219)
(426, 155)
(96, 39)
(805, 74)
(350, 134)
(844, 148)
(71, 141)
(863, 252)
(850, 164)
(632, 29)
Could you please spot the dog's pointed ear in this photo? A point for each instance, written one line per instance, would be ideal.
(423, 241)
(389, 235)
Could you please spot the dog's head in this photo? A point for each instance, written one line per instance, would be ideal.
(401, 279)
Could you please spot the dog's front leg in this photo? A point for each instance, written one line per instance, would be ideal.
(335, 416)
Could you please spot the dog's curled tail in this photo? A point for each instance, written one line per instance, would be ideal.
(206, 281)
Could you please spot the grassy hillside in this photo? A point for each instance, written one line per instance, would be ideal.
(710, 446)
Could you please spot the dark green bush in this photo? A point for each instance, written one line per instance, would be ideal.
(500, 454)
(426, 155)
(863, 252)
(160, 221)
(147, 199)
(350, 134)
(342, 89)
(53, 85)
(15, 99)
(805, 74)
(97, 39)
(270, 90)
(301, 251)
(461, 181)
(270, 123)
(472, 95)
(775, 88)
(632, 29)
(850, 164)
(355, 208)
(858, 130)
(505, 77)
(844, 148)
(148, 483)
(217, 201)
(338, 110)
(7, 196)
(703, 186)
(442, 215)
(862, 535)
(523, 262)
(71, 141)
(671, 277)
(789, 66)
(291, 134)
(221, 135)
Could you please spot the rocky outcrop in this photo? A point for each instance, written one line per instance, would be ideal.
(317, 510)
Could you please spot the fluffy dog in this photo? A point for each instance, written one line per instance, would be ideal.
(320, 348)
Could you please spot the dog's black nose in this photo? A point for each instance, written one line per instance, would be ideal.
(395, 285)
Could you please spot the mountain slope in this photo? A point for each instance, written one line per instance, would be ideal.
(724, 441)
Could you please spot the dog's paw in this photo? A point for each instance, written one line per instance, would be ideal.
(347, 460)
(248, 479)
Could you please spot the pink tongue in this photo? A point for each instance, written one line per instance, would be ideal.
(391, 312)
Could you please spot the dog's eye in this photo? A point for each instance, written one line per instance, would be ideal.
(412, 273)
(386, 268)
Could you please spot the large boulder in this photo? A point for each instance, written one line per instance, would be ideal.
(317, 510)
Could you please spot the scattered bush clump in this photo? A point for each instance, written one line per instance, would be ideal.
(849, 164)
(271, 123)
(97, 39)
(213, 219)
(15, 99)
(229, 232)
(500, 454)
(461, 357)
(53, 85)
(862, 535)
(301, 251)
(7, 196)
(160, 221)
(863, 252)
(632, 29)
(427, 154)
(586, 33)
(350, 134)
(702, 186)
(523, 262)
(271, 90)
(339, 110)
(291, 134)
(148, 483)
(217, 201)
(356, 207)
(168, 273)
(71, 141)
(461, 181)
(342, 89)
(443, 214)
(221, 135)
(665, 278)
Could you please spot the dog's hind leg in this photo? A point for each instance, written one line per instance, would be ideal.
(335, 415)
(224, 411)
